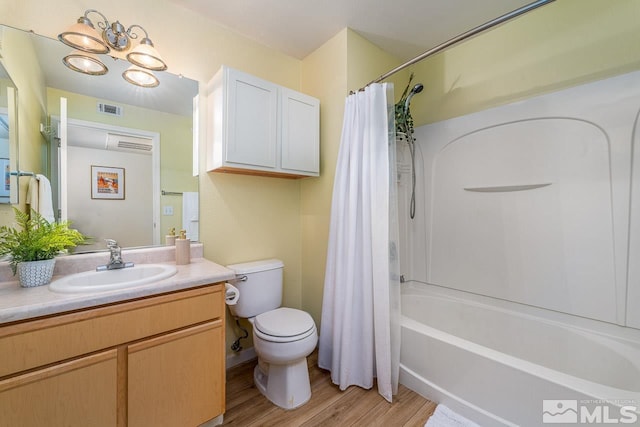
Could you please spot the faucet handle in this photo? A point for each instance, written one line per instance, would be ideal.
(111, 243)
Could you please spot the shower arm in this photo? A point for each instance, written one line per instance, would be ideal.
(457, 39)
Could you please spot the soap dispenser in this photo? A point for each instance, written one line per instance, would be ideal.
(183, 249)
(170, 238)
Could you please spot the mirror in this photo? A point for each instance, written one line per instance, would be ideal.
(142, 135)
(8, 138)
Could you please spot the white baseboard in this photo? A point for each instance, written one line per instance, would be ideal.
(241, 357)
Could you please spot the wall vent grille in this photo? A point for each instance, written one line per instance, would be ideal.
(112, 110)
(129, 143)
(134, 146)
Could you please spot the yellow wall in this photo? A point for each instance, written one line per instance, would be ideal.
(565, 43)
(367, 62)
(324, 75)
(19, 60)
(346, 62)
(241, 218)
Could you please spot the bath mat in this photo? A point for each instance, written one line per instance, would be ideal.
(445, 417)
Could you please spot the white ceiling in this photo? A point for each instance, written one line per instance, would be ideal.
(404, 28)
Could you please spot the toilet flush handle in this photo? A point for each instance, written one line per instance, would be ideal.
(238, 279)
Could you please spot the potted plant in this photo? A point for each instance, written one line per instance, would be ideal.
(33, 246)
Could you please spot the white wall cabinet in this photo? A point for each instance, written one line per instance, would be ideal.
(259, 128)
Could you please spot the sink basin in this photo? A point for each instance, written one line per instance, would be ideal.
(97, 281)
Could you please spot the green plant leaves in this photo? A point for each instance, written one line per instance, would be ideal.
(37, 239)
(404, 121)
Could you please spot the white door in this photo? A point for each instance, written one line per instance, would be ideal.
(62, 153)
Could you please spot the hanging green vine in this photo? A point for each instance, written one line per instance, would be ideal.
(404, 121)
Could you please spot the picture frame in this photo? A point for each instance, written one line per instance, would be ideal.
(107, 183)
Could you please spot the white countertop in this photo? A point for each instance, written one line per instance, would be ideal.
(18, 303)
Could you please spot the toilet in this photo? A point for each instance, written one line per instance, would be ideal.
(283, 337)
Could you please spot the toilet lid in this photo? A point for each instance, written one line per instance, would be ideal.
(284, 322)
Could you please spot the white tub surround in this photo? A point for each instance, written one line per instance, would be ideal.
(496, 365)
(535, 202)
(18, 303)
(521, 263)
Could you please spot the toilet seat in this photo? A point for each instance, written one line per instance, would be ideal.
(284, 325)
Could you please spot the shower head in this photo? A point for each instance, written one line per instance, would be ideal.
(416, 89)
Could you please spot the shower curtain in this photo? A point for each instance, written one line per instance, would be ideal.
(360, 327)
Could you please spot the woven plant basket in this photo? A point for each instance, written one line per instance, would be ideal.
(35, 273)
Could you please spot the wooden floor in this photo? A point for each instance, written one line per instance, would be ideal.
(328, 405)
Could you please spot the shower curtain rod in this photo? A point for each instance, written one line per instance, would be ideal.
(497, 21)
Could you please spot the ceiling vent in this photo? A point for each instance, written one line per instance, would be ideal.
(131, 144)
(112, 110)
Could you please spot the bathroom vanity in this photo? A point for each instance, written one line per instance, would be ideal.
(149, 356)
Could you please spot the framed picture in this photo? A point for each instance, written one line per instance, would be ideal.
(107, 183)
(4, 189)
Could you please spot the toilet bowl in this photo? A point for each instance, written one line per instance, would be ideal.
(282, 337)
(282, 373)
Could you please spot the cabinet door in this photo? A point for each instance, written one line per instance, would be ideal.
(300, 121)
(177, 379)
(82, 392)
(251, 120)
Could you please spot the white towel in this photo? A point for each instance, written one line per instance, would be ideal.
(39, 196)
(190, 217)
(445, 417)
(32, 194)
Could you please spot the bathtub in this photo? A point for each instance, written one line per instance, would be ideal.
(496, 362)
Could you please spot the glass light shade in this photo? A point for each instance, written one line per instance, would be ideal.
(140, 77)
(84, 37)
(85, 63)
(146, 56)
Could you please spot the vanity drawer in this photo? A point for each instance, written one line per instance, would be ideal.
(35, 343)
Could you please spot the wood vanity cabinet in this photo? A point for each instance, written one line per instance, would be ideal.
(257, 127)
(155, 361)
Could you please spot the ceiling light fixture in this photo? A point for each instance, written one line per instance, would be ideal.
(140, 77)
(84, 37)
(86, 63)
(145, 54)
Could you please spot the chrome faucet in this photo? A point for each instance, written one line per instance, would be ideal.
(115, 258)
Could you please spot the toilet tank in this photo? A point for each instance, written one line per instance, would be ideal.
(261, 291)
